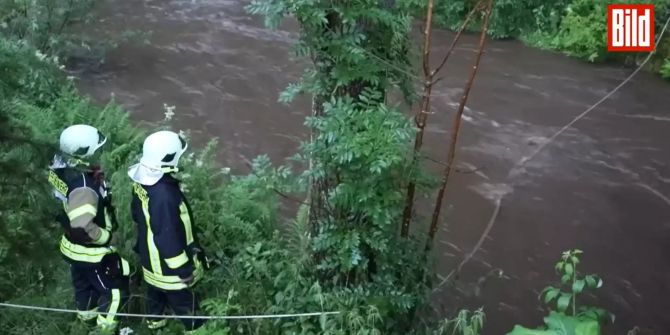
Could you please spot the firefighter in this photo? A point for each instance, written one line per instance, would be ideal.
(171, 258)
(99, 274)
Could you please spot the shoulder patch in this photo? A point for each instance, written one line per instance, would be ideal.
(57, 183)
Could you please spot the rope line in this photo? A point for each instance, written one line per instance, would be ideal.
(199, 317)
(517, 167)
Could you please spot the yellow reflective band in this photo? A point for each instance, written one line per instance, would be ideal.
(81, 253)
(77, 161)
(57, 183)
(107, 322)
(104, 237)
(87, 315)
(156, 324)
(177, 261)
(109, 225)
(154, 256)
(186, 219)
(141, 192)
(125, 267)
(79, 211)
(171, 283)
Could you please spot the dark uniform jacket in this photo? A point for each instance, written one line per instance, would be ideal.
(87, 217)
(166, 244)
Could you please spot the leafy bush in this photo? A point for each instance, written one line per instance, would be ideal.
(37, 103)
(358, 160)
(569, 317)
(60, 28)
(583, 31)
(665, 69)
(577, 28)
(45, 24)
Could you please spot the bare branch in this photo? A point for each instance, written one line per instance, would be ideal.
(456, 128)
(459, 33)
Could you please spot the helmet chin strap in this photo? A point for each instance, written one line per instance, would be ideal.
(77, 162)
(169, 169)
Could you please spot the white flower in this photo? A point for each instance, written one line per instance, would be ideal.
(62, 67)
(169, 112)
(40, 55)
(225, 170)
(126, 331)
(198, 162)
(71, 78)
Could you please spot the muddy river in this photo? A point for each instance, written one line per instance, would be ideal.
(603, 186)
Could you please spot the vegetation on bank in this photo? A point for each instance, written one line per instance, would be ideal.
(342, 251)
(577, 28)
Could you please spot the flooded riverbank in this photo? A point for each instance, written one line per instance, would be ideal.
(603, 186)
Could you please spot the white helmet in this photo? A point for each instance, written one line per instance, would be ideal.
(81, 140)
(162, 149)
(160, 153)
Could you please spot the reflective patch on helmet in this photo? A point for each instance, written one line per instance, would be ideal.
(82, 151)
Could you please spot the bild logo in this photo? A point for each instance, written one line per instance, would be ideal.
(630, 28)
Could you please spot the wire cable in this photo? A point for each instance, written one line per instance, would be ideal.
(200, 317)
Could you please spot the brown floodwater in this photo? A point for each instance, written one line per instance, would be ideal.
(603, 186)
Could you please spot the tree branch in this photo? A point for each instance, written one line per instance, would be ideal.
(459, 33)
(456, 128)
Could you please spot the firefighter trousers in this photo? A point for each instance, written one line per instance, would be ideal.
(181, 302)
(97, 291)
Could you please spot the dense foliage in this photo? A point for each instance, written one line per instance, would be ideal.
(341, 252)
(574, 27)
(356, 271)
(569, 315)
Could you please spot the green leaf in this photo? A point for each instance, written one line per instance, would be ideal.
(569, 269)
(587, 327)
(578, 286)
(596, 314)
(561, 323)
(574, 259)
(559, 267)
(563, 302)
(322, 321)
(591, 281)
(565, 278)
(550, 294)
(520, 330)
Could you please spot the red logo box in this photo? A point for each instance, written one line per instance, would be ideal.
(630, 28)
